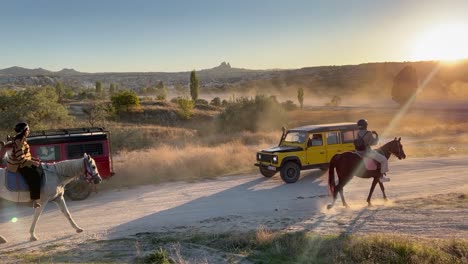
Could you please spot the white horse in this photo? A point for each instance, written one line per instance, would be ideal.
(57, 175)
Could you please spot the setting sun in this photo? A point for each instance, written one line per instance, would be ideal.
(444, 42)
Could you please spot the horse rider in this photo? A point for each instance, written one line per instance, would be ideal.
(369, 140)
(21, 160)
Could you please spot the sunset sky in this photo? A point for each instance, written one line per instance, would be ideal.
(177, 35)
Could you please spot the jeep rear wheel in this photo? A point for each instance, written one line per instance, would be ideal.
(267, 173)
(78, 190)
(290, 172)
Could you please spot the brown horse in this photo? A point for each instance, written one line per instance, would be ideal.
(350, 164)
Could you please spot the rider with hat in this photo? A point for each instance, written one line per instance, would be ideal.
(369, 140)
(21, 160)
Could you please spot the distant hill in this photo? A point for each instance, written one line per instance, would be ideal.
(19, 71)
(373, 79)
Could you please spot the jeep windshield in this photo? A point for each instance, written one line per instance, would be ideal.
(296, 137)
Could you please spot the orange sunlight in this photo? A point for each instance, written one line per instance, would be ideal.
(446, 42)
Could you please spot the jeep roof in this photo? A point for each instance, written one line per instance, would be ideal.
(325, 127)
(55, 136)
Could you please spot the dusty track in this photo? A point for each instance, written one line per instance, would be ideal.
(245, 202)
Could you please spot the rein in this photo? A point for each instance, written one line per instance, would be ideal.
(88, 176)
(385, 150)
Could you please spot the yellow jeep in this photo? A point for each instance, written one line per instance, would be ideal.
(307, 147)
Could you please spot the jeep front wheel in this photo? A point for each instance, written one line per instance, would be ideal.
(290, 172)
(267, 173)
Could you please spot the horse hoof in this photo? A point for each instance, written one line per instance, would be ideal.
(369, 205)
(346, 206)
(3, 240)
(33, 238)
(79, 230)
(329, 206)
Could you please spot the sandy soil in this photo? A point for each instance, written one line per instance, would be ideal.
(246, 202)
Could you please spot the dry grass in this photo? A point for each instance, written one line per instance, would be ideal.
(153, 154)
(186, 163)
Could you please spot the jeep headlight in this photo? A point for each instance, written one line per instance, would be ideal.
(259, 156)
(275, 159)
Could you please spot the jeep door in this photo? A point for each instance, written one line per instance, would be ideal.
(334, 146)
(316, 152)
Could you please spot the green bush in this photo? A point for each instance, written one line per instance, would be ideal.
(255, 114)
(185, 108)
(37, 106)
(125, 101)
(216, 101)
(289, 105)
(201, 102)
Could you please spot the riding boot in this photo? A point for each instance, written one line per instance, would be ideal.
(383, 178)
(36, 204)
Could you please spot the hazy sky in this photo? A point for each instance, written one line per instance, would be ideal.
(177, 35)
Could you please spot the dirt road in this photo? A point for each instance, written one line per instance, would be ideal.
(249, 201)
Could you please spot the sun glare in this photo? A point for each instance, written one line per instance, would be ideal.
(447, 42)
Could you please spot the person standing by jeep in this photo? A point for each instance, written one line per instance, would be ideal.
(365, 139)
(21, 160)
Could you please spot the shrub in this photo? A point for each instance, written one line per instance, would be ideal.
(259, 113)
(201, 102)
(125, 101)
(216, 101)
(289, 105)
(185, 108)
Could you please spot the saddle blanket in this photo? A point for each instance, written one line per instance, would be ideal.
(369, 163)
(15, 182)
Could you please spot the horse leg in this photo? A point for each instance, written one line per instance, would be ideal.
(342, 198)
(383, 191)
(3, 240)
(374, 182)
(335, 193)
(63, 207)
(37, 214)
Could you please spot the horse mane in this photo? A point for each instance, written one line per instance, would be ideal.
(69, 168)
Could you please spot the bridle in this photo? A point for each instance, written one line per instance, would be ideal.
(399, 147)
(89, 175)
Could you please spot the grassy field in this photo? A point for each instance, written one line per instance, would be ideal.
(260, 246)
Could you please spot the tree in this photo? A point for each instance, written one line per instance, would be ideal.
(405, 85)
(300, 96)
(37, 106)
(112, 89)
(161, 91)
(98, 88)
(125, 101)
(194, 85)
(98, 113)
(60, 91)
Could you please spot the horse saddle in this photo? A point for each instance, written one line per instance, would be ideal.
(15, 182)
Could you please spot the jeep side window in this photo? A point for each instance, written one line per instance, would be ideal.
(77, 150)
(295, 137)
(315, 140)
(347, 136)
(48, 153)
(332, 138)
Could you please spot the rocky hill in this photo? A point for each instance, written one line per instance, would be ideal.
(371, 78)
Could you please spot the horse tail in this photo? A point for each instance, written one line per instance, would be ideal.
(331, 175)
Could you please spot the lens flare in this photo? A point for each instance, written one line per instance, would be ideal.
(14, 220)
